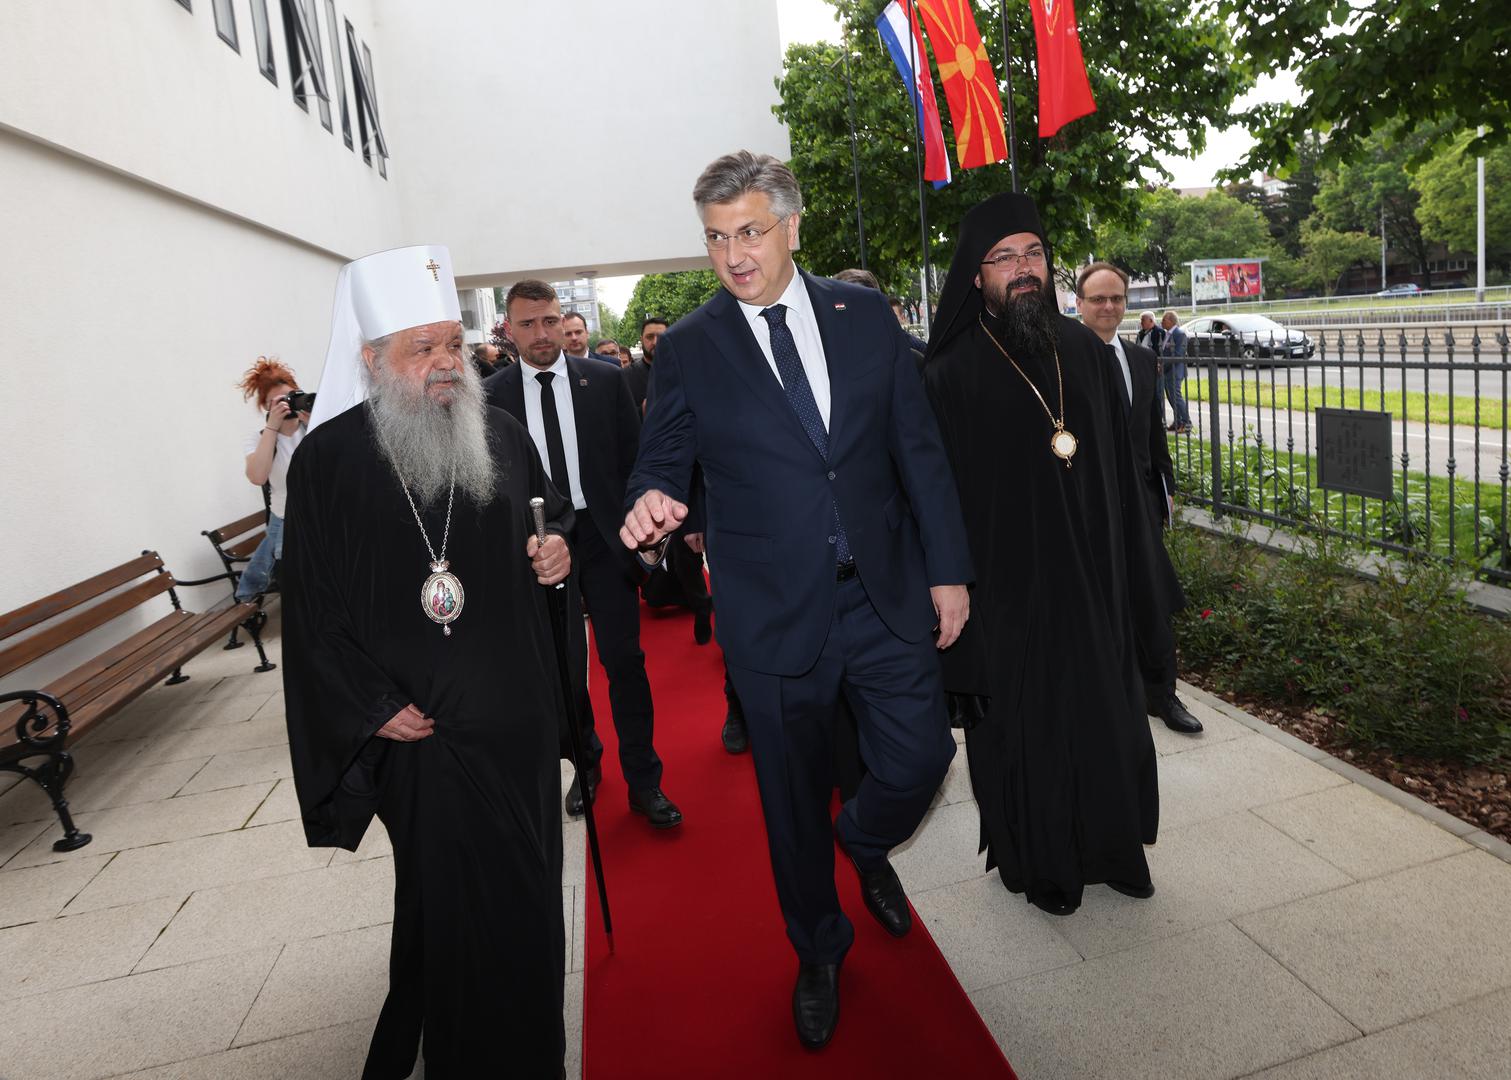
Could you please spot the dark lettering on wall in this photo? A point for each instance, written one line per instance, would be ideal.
(225, 23)
(263, 38)
(368, 127)
(305, 60)
(338, 70)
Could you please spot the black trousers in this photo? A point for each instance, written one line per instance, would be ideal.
(1158, 666)
(611, 595)
(894, 688)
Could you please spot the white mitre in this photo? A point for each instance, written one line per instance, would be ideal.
(376, 296)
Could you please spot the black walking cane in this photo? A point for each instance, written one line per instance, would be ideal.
(569, 700)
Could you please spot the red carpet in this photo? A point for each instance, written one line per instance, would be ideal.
(701, 983)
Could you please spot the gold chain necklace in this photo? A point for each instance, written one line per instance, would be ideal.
(1062, 443)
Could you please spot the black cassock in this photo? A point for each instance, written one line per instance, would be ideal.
(473, 810)
(1068, 572)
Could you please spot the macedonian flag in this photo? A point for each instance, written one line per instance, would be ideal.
(970, 84)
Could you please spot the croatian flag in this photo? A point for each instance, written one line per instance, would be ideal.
(893, 25)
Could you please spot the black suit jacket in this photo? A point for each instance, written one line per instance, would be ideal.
(1146, 425)
(638, 378)
(608, 433)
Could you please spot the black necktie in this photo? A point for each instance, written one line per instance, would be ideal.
(556, 451)
(800, 396)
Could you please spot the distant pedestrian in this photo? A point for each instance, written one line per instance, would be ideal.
(1173, 357)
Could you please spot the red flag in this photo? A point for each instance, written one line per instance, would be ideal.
(1064, 93)
(970, 84)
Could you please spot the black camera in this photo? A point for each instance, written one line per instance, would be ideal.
(299, 401)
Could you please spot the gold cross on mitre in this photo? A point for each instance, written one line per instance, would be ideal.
(434, 268)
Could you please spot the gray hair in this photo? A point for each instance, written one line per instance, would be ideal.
(859, 277)
(1171, 315)
(1147, 315)
(742, 172)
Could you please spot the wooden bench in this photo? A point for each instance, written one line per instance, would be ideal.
(48, 720)
(234, 543)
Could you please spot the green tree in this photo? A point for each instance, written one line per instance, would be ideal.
(1353, 194)
(1143, 248)
(1159, 75)
(1327, 253)
(1448, 209)
(667, 296)
(1363, 64)
(608, 324)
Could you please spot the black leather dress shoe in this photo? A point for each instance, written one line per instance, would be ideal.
(885, 900)
(1177, 717)
(573, 801)
(1053, 902)
(1138, 892)
(735, 737)
(660, 811)
(703, 627)
(815, 1004)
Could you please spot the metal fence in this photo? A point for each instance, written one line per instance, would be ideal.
(1252, 449)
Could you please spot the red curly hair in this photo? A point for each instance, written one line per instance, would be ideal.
(262, 376)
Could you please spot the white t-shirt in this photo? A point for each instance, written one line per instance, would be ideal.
(278, 475)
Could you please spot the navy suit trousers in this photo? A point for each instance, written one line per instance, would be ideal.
(894, 688)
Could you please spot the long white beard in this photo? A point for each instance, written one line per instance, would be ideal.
(425, 442)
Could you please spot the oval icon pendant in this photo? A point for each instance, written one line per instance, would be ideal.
(1063, 444)
(442, 598)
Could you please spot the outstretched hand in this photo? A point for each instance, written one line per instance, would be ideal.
(654, 517)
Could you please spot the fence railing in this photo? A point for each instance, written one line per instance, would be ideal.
(1251, 448)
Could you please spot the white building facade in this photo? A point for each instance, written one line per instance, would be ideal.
(181, 179)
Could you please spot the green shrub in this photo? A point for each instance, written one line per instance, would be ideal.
(1402, 662)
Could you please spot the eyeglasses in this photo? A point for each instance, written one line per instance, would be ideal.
(748, 237)
(1100, 300)
(1034, 256)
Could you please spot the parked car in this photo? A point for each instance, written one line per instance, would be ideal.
(1247, 338)
(1408, 289)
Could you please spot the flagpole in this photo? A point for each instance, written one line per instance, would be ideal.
(860, 222)
(1012, 122)
(923, 213)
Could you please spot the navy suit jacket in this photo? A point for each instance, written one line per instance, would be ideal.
(769, 495)
(608, 430)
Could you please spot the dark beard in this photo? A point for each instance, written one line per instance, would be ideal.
(1028, 318)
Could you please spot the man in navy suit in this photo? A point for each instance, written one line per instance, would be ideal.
(833, 529)
(580, 415)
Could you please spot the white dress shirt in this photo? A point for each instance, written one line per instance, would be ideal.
(535, 420)
(1117, 345)
(804, 327)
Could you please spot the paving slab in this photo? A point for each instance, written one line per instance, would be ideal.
(218, 739)
(170, 715)
(1465, 1042)
(1216, 727)
(1401, 946)
(181, 867)
(248, 684)
(320, 983)
(1207, 1005)
(39, 892)
(1359, 832)
(572, 1017)
(275, 911)
(124, 827)
(58, 953)
(374, 845)
(989, 935)
(1217, 780)
(942, 851)
(282, 804)
(106, 1028)
(334, 1053)
(237, 768)
(95, 787)
(14, 838)
(1202, 874)
(957, 782)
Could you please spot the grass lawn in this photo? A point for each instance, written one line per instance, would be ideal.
(1418, 406)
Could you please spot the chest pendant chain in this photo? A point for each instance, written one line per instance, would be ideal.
(441, 597)
(1062, 443)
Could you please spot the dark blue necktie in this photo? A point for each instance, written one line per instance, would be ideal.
(800, 396)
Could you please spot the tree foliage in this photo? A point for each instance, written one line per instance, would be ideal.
(1364, 64)
(1448, 207)
(1172, 230)
(1159, 74)
(1327, 253)
(666, 296)
(1143, 249)
(608, 324)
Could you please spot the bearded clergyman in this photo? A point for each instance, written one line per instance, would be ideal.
(1069, 573)
(416, 650)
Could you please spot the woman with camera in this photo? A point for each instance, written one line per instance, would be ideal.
(285, 412)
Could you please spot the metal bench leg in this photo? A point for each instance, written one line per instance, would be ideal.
(51, 777)
(178, 677)
(233, 643)
(254, 627)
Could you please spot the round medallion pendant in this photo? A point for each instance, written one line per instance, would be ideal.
(1063, 444)
(442, 598)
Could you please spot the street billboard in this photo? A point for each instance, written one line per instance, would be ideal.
(1227, 279)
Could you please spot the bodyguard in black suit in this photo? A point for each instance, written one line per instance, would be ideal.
(587, 431)
(1102, 295)
(835, 536)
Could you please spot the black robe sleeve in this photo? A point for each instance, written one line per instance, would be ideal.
(337, 696)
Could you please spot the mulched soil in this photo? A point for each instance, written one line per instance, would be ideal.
(1472, 793)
